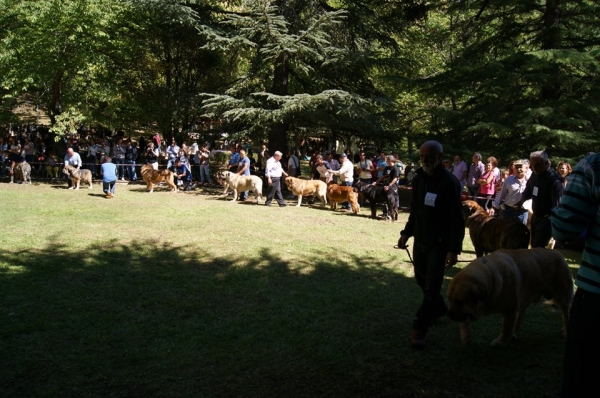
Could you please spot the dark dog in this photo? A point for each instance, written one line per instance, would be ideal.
(489, 233)
(376, 194)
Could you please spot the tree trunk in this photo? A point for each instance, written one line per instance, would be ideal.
(278, 133)
(55, 107)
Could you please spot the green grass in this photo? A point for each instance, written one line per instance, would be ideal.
(188, 295)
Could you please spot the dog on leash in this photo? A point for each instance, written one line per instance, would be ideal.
(151, 177)
(77, 176)
(506, 282)
(489, 233)
(302, 188)
(240, 184)
(376, 194)
(341, 193)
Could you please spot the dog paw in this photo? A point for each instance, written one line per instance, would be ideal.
(70, 188)
(498, 342)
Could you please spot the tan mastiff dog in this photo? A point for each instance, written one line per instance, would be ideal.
(506, 282)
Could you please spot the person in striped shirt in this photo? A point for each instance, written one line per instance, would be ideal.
(577, 214)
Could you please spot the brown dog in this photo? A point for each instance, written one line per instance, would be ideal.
(152, 177)
(302, 188)
(341, 193)
(506, 282)
(77, 176)
(490, 233)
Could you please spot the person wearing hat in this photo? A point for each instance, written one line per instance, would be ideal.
(346, 173)
(508, 201)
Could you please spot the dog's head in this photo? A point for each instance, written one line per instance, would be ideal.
(289, 181)
(361, 186)
(466, 298)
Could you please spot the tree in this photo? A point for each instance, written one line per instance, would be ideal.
(526, 74)
(307, 68)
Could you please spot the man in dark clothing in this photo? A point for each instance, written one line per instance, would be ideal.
(545, 188)
(437, 225)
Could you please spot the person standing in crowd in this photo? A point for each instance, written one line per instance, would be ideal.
(204, 159)
(119, 157)
(447, 165)
(52, 166)
(19, 166)
(381, 164)
(273, 173)
(333, 163)
(293, 164)
(476, 170)
(321, 168)
(234, 159)
(389, 180)
(130, 159)
(243, 170)
(437, 225)
(564, 170)
(545, 188)
(579, 213)
(487, 186)
(460, 170)
(92, 156)
(346, 173)
(172, 154)
(109, 177)
(364, 168)
(152, 156)
(509, 198)
(72, 158)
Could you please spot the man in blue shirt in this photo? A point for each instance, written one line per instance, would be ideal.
(243, 170)
(234, 159)
(109, 178)
(183, 175)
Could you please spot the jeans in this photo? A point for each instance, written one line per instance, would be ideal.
(473, 191)
(131, 170)
(120, 162)
(205, 173)
(346, 205)
(109, 187)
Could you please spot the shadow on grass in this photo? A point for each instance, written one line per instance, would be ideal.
(153, 319)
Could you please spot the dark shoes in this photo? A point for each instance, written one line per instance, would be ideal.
(282, 204)
(418, 339)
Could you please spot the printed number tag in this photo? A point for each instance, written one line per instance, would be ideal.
(430, 199)
(535, 191)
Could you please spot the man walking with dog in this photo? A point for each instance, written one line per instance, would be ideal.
(578, 214)
(72, 158)
(346, 173)
(273, 173)
(437, 225)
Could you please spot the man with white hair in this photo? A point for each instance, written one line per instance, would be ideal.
(437, 225)
(72, 158)
(545, 188)
(273, 173)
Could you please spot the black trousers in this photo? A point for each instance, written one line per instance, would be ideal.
(583, 347)
(275, 191)
(541, 231)
(429, 265)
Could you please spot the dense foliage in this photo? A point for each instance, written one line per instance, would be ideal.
(503, 77)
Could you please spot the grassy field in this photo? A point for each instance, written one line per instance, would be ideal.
(188, 295)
